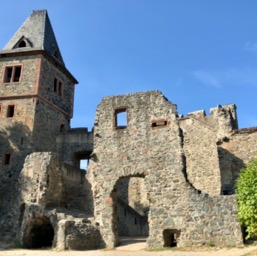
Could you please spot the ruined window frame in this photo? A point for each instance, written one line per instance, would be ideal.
(11, 78)
(159, 123)
(10, 111)
(117, 120)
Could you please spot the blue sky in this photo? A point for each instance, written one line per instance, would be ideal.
(199, 53)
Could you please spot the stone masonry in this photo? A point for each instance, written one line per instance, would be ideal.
(151, 171)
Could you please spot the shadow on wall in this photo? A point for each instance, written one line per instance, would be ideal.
(16, 144)
(230, 167)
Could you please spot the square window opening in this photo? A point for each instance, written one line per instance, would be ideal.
(121, 119)
(12, 74)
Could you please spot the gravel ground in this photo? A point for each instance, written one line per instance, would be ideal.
(203, 252)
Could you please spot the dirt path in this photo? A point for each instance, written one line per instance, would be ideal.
(128, 252)
(135, 246)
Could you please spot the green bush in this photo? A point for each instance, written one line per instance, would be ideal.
(246, 194)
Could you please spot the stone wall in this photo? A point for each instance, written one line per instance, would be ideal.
(150, 146)
(46, 87)
(58, 195)
(29, 76)
(234, 153)
(74, 145)
(201, 156)
(201, 134)
(48, 124)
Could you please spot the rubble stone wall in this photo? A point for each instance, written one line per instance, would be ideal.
(201, 156)
(235, 153)
(150, 146)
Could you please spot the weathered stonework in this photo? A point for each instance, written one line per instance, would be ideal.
(156, 154)
(151, 171)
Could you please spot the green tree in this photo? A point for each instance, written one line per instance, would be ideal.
(246, 194)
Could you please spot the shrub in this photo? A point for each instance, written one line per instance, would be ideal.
(246, 194)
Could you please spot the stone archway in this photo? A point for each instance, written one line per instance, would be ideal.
(130, 208)
(39, 233)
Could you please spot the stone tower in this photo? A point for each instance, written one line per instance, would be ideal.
(36, 100)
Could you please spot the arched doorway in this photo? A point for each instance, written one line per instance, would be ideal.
(39, 233)
(130, 208)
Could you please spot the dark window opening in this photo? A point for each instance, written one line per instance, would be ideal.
(10, 111)
(22, 44)
(58, 87)
(56, 54)
(121, 118)
(12, 74)
(135, 221)
(8, 75)
(55, 85)
(17, 74)
(170, 237)
(7, 159)
(159, 123)
(62, 128)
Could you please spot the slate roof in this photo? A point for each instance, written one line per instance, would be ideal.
(38, 34)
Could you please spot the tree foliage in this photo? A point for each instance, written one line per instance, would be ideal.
(246, 194)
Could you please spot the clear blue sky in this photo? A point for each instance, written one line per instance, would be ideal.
(199, 53)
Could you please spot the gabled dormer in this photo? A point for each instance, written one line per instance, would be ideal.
(23, 43)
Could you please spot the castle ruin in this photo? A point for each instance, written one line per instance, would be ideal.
(151, 172)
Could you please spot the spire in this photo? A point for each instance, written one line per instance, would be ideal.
(36, 33)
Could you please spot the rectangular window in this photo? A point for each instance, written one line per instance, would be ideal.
(7, 158)
(12, 74)
(55, 85)
(10, 111)
(0, 109)
(121, 118)
(159, 123)
(58, 87)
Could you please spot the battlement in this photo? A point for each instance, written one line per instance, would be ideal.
(221, 118)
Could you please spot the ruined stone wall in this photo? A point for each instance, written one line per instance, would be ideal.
(40, 180)
(58, 194)
(201, 134)
(74, 145)
(234, 154)
(130, 223)
(77, 192)
(149, 145)
(132, 191)
(201, 156)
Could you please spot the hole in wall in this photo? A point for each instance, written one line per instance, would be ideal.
(170, 237)
(39, 233)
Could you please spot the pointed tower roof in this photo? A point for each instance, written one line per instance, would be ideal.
(36, 33)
